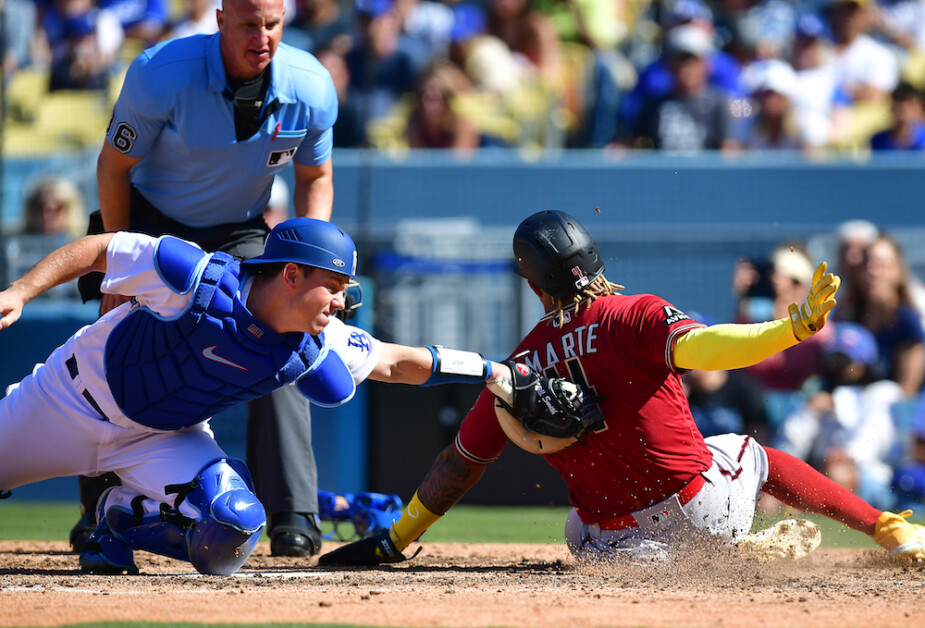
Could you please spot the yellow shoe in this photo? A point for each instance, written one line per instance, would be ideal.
(900, 538)
(789, 539)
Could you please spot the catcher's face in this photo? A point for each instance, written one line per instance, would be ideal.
(318, 293)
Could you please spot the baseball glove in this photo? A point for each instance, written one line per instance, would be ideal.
(550, 406)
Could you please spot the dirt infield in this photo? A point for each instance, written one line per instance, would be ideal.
(471, 585)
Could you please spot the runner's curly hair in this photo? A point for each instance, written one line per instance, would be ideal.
(600, 287)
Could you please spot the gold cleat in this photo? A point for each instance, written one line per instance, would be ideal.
(903, 540)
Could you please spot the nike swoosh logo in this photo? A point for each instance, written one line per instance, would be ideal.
(209, 353)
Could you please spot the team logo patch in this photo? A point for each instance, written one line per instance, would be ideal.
(581, 280)
(281, 157)
(673, 315)
(566, 319)
(359, 340)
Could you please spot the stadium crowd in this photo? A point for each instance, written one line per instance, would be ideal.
(621, 74)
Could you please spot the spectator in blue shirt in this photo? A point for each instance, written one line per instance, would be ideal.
(908, 129)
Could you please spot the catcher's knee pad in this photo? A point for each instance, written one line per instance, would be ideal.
(230, 518)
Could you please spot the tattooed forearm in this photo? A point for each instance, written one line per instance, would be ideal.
(448, 480)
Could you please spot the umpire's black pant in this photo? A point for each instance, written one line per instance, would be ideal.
(279, 430)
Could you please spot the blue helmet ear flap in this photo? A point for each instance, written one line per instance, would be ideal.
(329, 383)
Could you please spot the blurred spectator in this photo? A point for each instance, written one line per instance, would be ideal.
(772, 84)
(279, 203)
(788, 280)
(726, 402)
(693, 116)
(908, 129)
(434, 123)
(142, 20)
(55, 206)
(348, 129)
(883, 304)
(595, 73)
(469, 23)
(380, 71)
(426, 27)
(53, 214)
(821, 107)
(84, 42)
(846, 429)
(900, 23)
(321, 24)
(199, 19)
(868, 70)
(529, 34)
(19, 23)
(852, 238)
(657, 80)
(909, 472)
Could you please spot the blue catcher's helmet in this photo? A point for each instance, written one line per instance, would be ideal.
(556, 253)
(310, 242)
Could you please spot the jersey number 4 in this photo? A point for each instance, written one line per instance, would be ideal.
(576, 373)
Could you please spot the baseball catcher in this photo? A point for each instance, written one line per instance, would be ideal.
(642, 480)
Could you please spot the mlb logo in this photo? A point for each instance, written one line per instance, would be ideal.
(281, 157)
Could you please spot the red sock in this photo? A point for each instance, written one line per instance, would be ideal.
(797, 484)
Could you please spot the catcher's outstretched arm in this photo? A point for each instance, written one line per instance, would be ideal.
(60, 266)
(421, 366)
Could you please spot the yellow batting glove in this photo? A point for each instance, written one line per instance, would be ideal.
(809, 316)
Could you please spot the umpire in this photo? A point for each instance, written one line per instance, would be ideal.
(200, 129)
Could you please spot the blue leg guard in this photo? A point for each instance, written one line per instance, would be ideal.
(231, 518)
(215, 525)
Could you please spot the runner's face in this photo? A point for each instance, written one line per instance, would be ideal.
(250, 34)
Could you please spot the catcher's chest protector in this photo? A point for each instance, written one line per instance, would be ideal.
(169, 374)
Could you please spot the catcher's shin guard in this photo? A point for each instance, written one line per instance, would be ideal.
(226, 524)
(231, 518)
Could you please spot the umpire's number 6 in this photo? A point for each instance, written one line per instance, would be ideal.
(124, 137)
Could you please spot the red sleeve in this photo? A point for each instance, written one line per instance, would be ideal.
(480, 439)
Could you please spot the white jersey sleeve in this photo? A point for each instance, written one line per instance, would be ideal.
(130, 271)
(359, 350)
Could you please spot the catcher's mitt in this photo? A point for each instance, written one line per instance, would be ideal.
(543, 415)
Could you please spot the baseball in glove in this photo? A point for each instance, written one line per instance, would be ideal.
(543, 415)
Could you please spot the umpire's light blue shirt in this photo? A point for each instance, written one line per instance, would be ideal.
(173, 113)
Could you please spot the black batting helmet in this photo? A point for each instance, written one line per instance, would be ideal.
(555, 252)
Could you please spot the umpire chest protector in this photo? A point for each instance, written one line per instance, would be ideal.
(170, 373)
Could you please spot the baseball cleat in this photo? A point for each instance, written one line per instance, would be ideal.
(903, 540)
(790, 539)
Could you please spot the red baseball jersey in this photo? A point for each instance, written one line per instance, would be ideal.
(649, 447)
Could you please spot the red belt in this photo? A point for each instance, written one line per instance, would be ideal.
(629, 521)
